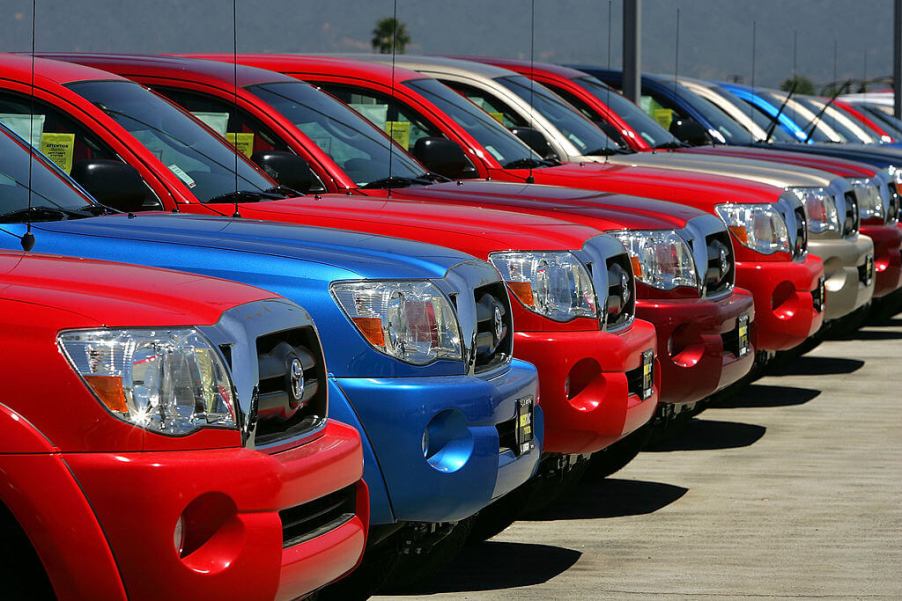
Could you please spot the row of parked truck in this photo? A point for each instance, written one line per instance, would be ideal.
(306, 325)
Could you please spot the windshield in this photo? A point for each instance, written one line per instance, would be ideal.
(759, 118)
(793, 115)
(50, 187)
(732, 132)
(198, 158)
(350, 140)
(829, 117)
(887, 122)
(579, 131)
(638, 119)
(506, 148)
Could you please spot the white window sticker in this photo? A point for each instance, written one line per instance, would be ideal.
(218, 122)
(180, 173)
(23, 126)
(377, 113)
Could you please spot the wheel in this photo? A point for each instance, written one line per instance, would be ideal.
(423, 555)
(369, 577)
(495, 518)
(21, 571)
(614, 458)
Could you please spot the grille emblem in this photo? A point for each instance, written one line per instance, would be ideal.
(724, 261)
(296, 379)
(625, 287)
(498, 323)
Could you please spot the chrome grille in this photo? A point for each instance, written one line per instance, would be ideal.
(494, 327)
(895, 204)
(621, 302)
(720, 269)
(850, 216)
(291, 391)
(800, 243)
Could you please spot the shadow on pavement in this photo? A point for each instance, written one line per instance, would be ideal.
(873, 334)
(610, 498)
(494, 565)
(760, 395)
(708, 435)
(818, 366)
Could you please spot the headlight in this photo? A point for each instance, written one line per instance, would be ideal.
(758, 227)
(820, 209)
(870, 205)
(553, 284)
(410, 321)
(661, 259)
(167, 381)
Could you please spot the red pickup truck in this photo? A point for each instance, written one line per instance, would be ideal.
(280, 113)
(125, 488)
(632, 127)
(786, 281)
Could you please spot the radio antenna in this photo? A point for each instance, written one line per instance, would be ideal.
(676, 57)
(532, 55)
(237, 213)
(28, 238)
(754, 65)
(391, 130)
(608, 91)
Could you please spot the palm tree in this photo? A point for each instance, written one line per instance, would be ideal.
(387, 29)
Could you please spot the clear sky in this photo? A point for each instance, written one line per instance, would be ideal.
(715, 35)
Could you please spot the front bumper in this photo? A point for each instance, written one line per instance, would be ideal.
(844, 260)
(230, 501)
(786, 313)
(455, 421)
(691, 334)
(585, 390)
(887, 257)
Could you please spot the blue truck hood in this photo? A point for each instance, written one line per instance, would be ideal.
(346, 254)
(296, 262)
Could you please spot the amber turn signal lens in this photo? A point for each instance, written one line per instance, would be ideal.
(109, 390)
(637, 266)
(523, 291)
(371, 328)
(741, 233)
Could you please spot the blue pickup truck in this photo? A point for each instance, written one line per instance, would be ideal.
(446, 429)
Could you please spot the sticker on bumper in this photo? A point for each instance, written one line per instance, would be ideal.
(742, 334)
(524, 430)
(648, 374)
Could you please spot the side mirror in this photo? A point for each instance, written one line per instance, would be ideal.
(289, 170)
(112, 183)
(442, 156)
(690, 131)
(535, 140)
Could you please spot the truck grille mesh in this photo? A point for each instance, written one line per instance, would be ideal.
(721, 266)
(494, 327)
(850, 218)
(289, 401)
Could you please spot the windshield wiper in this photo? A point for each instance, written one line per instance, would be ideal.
(396, 181)
(527, 164)
(41, 213)
(606, 151)
(671, 145)
(248, 196)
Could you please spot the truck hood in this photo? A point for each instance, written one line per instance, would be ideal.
(834, 165)
(100, 294)
(599, 210)
(772, 174)
(342, 254)
(873, 155)
(418, 215)
(701, 191)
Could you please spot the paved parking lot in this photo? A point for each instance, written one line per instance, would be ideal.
(791, 491)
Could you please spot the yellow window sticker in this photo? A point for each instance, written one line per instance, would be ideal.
(399, 131)
(245, 142)
(59, 149)
(663, 116)
(497, 116)
(218, 122)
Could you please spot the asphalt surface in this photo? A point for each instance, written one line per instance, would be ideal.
(792, 490)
